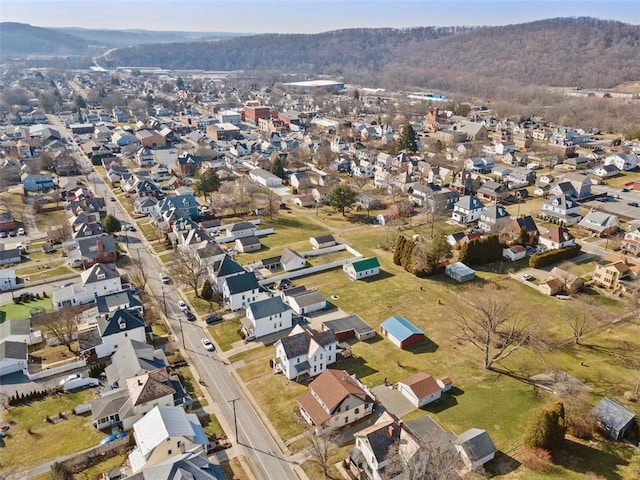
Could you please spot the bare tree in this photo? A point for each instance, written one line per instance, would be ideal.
(60, 325)
(583, 315)
(422, 460)
(360, 181)
(320, 448)
(138, 273)
(60, 233)
(493, 324)
(187, 269)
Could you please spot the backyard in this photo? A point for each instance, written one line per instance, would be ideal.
(22, 311)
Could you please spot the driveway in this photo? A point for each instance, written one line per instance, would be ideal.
(392, 400)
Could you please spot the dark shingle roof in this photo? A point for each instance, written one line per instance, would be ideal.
(228, 266)
(13, 350)
(120, 321)
(236, 227)
(242, 283)
(126, 299)
(268, 307)
(347, 324)
(476, 443)
(92, 275)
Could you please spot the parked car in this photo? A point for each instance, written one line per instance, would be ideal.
(527, 277)
(182, 306)
(21, 231)
(12, 233)
(213, 318)
(164, 278)
(208, 346)
(3, 234)
(633, 204)
(190, 316)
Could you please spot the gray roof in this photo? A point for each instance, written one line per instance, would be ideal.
(268, 307)
(247, 241)
(469, 202)
(324, 239)
(228, 266)
(298, 344)
(242, 283)
(91, 276)
(14, 327)
(306, 298)
(109, 403)
(288, 255)
(612, 414)
(382, 444)
(124, 299)
(89, 246)
(187, 466)
(10, 253)
(236, 227)
(134, 358)
(120, 321)
(13, 350)
(346, 324)
(476, 443)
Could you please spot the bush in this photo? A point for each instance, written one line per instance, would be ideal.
(537, 460)
(543, 259)
(545, 428)
(481, 251)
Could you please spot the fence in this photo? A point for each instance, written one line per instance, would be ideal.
(48, 372)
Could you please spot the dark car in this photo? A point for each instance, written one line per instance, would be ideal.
(633, 204)
(213, 318)
(190, 316)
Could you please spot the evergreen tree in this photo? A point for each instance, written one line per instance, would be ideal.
(342, 196)
(207, 181)
(277, 166)
(407, 140)
(207, 290)
(111, 224)
(397, 249)
(180, 83)
(546, 427)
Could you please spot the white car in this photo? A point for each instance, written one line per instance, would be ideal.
(164, 278)
(21, 231)
(68, 378)
(527, 277)
(182, 306)
(208, 346)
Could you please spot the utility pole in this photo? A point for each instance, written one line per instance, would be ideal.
(164, 302)
(235, 417)
(182, 333)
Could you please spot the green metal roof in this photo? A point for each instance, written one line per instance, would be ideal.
(365, 264)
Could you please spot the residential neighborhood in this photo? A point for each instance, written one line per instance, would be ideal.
(232, 276)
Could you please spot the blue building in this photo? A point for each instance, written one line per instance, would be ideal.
(37, 182)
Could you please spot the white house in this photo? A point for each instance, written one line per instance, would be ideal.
(305, 353)
(226, 267)
(606, 171)
(623, 161)
(145, 205)
(291, 260)
(7, 279)
(420, 389)
(493, 218)
(238, 291)
(248, 244)
(265, 178)
(100, 279)
(335, 399)
(362, 268)
(163, 433)
(557, 237)
(303, 301)
(145, 157)
(265, 317)
(103, 339)
(467, 209)
(322, 241)
(561, 210)
(241, 230)
(475, 447)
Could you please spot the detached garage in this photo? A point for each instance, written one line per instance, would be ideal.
(420, 389)
(13, 356)
(460, 272)
(401, 332)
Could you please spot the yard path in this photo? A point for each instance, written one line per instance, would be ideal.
(42, 468)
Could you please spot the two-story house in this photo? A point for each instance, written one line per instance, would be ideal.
(265, 317)
(623, 161)
(163, 433)
(238, 291)
(335, 399)
(491, 191)
(609, 275)
(521, 230)
(133, 358)
(556, 238)
(493, 218)
(467, 209)
(220, 270)
(101, 339)
(561, 210)
(631, 241)
(304, 352)
(580, 182)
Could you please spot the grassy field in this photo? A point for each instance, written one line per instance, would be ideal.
(23, 311)
(191, 387)
(226, 333)
(313, 469)
(200, 305)
(51, 216)
(233, 469)
(35, 440)
(609, 353)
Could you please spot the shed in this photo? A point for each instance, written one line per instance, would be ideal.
(420, 389)
(349, 327)
(401, 332)
(248, 244)
(614, 418)
(475, 447)
(362, 268)
(515, 253)
(460, 272)
(322, 241)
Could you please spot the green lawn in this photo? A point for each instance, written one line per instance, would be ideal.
(211, 425)
(35, 440)
(51, 216)
(313, 469)
(149, 231)
(200, 305)
(23, 311)
(191, 386)
(257, 362)
(226, 333)
(160, 247)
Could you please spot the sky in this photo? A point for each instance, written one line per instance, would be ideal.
(302, 16)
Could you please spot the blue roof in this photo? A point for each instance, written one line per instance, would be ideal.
(400, 327)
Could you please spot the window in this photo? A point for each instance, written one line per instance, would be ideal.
(169, 451)
(357, 411)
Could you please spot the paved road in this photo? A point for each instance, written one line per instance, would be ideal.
(254, 439)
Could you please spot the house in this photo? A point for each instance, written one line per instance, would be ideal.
(362, 268)
(348, 327)
(8, 279)
(191, 465)
(37, 182)
(124, 405)
(300, 180)
(92, 250)
(562, 189)
(606, 171)
(493, 218)
(303, 301)
(150, 139)
(561, 210)
(248, 244)
(188, 163)
(401, 332)
(226, 267)
(100, 279)
(580, 182)
(321, 195)
(125, 299)
(304, 352)
(102, 339)
(520, 177)
(467, 209)
(610, 274)
(420, 389)
(335, 399)
(493, 191)
(631, 241)
(457, 239)
(472, 131)
(133, 358)
(622, 161)
(479, 164)
(460, 272)
(265, 178)
(241, 230)
(163, 433)
(265, 317)
(557, 237)
(521, 229)
(291, 260)
(145, 205)
(560, 281)
(13, 357)
(182, 206)
(322, 241)
(145, 157)
(600, 224)
(614, 418)
(475, 448)
(238, 291)
(304, 201)
(514, 253)
(9, 256)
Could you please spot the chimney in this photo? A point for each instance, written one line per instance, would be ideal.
(390, 430)
(100, 246)
(139, 382)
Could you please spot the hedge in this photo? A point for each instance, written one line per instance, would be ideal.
(543, 259)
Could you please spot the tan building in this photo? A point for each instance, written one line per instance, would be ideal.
(617, 276)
